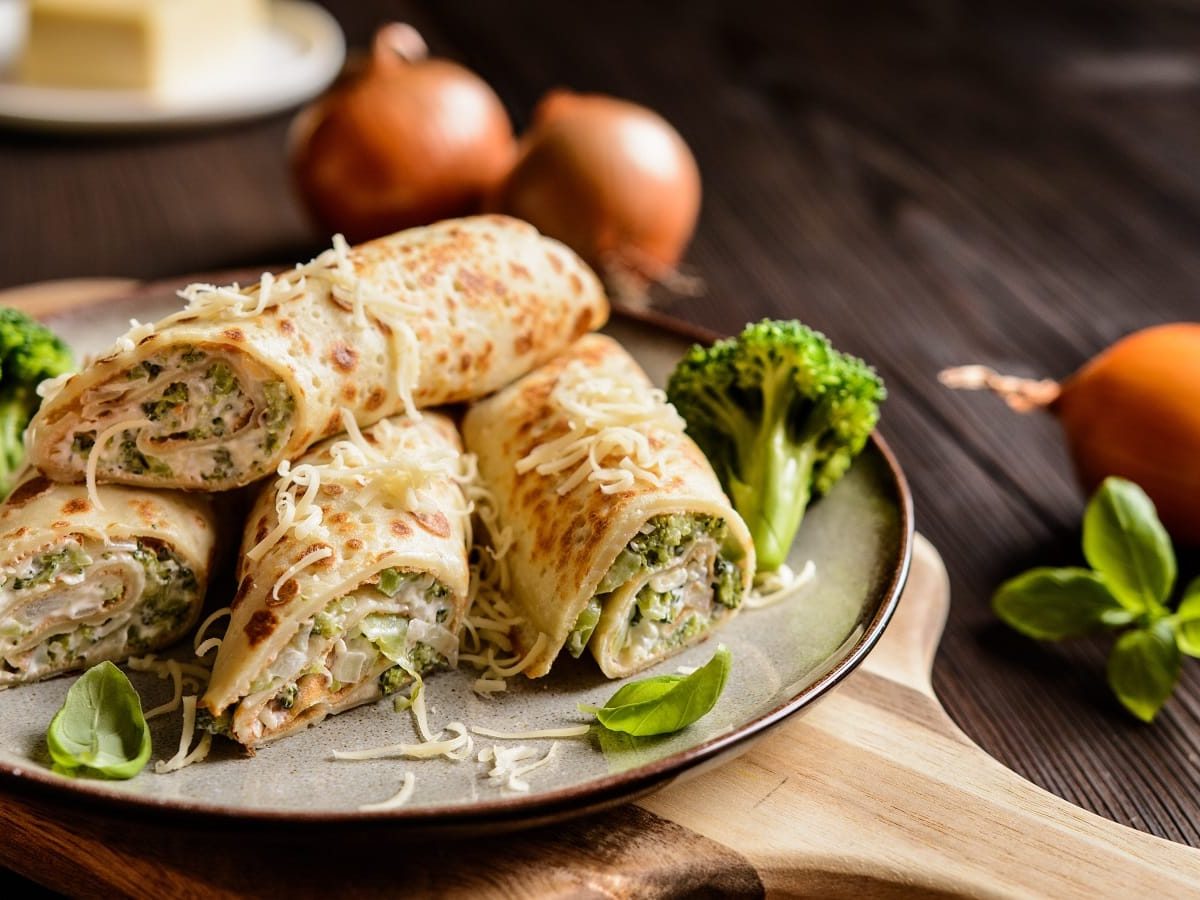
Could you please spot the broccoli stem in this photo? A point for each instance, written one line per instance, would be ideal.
(775, 494)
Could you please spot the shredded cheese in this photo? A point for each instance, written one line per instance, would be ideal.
(451, 748)
(567, 732)
(305, 561)
(507, 770)
(176, 675)
(98, 448)
(774, 587)
(611, 426)
(399, 799)
(161, 668)
(182, 757)
(206, 624)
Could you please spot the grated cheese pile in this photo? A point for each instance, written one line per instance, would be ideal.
(402, 474)
(510, 763)
(611, 429)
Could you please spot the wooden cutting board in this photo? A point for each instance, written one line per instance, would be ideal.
(874, 793)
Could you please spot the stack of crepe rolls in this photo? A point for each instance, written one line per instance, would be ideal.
(624, 543)
(81, 583)
(218, 395)
(353, 580)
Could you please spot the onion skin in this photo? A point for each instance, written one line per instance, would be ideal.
(610, 179)
(406, 142)
(1134, 411)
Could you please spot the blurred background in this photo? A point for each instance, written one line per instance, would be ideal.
(930, 183)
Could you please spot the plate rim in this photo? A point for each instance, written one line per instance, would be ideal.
(525, 810)
(299, 18)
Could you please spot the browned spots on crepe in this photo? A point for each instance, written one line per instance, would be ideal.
(465, 361)
(16, 535)
(555, 262)
(516, 270)
(344, 357)
(576, 284)
(334, 425)
(353, 545)
(245, 586)
(313, 548)
(288, 592)
(260, 626)
(583, 323)
(350, 392)
(375, 398)
(147, 339)
(523, 343)
(399, 528)
(435, 523)
(286, 326)
(147, 511)
(76, 505)
(234, 334)
(333, 490)
(28, 490)
(261, 530)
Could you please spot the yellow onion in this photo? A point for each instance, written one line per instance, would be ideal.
(1132, 411)
(406, 141)
(611, 179)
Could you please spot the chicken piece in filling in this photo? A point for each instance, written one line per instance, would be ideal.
(676, 579)
(362, 646)
(200, 416)
(83, 601)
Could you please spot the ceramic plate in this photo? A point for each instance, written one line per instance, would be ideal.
(785, 657)
(297, 55)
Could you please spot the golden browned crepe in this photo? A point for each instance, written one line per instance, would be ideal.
(623, 541)
(334, 613)
(219, 394)
(80, 584)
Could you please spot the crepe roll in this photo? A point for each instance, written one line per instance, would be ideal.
(623, 542)
(80, 584)
(217, 395)
(352, 582)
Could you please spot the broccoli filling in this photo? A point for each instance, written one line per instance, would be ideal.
(369, 642)
(86, 601)
(211, 421)
(678, 575)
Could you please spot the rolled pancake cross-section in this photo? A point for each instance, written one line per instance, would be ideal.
(79, 585)
(623, 541)
(217, 395)
(353, 578)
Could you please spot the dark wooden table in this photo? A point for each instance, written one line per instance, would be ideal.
(930, 183)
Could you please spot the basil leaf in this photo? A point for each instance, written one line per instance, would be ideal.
(1187, 620)
(666, 703)
(1125, 542)
(100, 728)
(1143, 669)
(1051, 604)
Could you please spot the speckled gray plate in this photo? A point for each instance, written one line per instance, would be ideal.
(785, 657)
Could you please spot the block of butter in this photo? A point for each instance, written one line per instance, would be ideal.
(163, 46)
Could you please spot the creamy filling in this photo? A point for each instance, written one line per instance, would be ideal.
(84, 601)
(367, 643)
(677, 578)
(197, 416)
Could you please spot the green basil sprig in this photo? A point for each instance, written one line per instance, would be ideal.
(665, 704)
(100, 729)
(1128, 587)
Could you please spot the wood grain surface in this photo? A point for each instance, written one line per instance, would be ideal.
(929, 181)
(874, 793)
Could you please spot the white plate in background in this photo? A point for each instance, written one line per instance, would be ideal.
(299, 53)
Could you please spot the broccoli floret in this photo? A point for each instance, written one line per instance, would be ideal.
(29, 353)
(780, 414)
